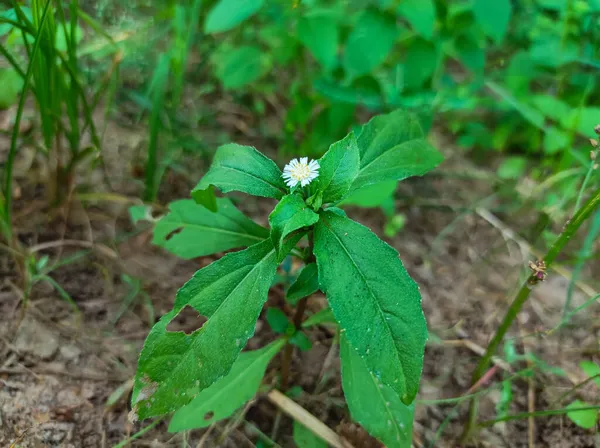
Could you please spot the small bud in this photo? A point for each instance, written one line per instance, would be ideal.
(597, 129)
(594, 142)
(593, 155)
(595, 166)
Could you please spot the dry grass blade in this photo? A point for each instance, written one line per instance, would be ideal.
(301, 415)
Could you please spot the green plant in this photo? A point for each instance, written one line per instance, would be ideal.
(538, 274)
(46, 38)
(201, 376)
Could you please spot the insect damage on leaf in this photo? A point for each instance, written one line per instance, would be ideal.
(146, 393)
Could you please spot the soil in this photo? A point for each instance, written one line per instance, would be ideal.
(65, 376)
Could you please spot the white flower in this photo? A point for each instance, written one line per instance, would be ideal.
(301, 172)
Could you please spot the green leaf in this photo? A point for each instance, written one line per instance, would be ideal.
(374, 300)
(224, 397)
(420, 14)
(583, 121)
(555, 140)
(591, 369)
(470, 50)
(554, 5)
(373, 404)
(305, 438)
(190, 230)
(393, 147)
(237, 67)
(372, 195)
(289, 215)
(420, 63)
(173, 366)
(338, 169)
(319, 33)
(306, 284)
(551, 107)
(228, 14)
(529, 113)
(585, 419)
(300, 340)
(240, 168)
(493, 17)
(278, 321)
(512, 167)
(322, 317)
(11, 83)
(139, 213)
(369, 42)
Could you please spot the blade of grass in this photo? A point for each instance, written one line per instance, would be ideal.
(8, 172)
(524, 415)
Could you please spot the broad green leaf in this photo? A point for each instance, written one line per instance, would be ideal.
(224, 397)
(300, 340)
(306, 284)
(305, 438)
(585, 419)
(555, 140)
(236, 67)
(374, 300)
(319, 33)
(228, 14)
(493, 17)
(240, 168)
(583, 121)
(420, 63)
(552, 52)
(512, 167)
(339, 168)
(551, 106)
(372, 195)
(190, 230)
(174, 366)
(591, 369)
(393, 147)
(373, 404)
(322, 317)
(554, 5)
(61, 43)
(470, 50)
(278, 321)
(11, 83)
(289, 215)
(420, 14)
(369, 42)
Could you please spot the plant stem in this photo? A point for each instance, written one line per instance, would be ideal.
(286, 361)
(522, 296)
(289, 348)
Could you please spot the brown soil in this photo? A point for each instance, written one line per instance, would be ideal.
(58, 368)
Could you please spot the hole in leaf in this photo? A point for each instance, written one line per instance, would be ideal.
(209, 415)
(188, 320)
(173, 232)
(156, 213)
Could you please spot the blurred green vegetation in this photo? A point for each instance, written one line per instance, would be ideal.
(514, 82)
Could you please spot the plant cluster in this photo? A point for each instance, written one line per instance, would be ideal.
(201, 376)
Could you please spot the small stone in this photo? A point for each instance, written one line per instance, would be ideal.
(36, 338)
(70, 352)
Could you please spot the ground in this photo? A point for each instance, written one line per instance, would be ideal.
(65, 376)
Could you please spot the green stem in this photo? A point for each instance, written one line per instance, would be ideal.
(10, 161)
(139, 434)
(286, 360)
(548, 412)
(522, 296)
